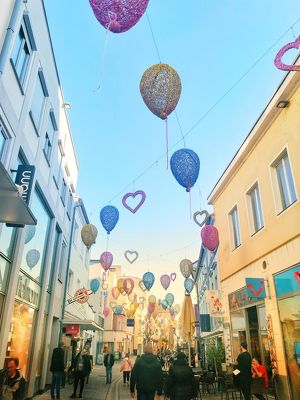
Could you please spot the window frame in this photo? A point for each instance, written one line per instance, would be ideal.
(63, 192)
(252, 218)
(48, 144)
(62, 258)
(234, 246)
(277, 186)
(39, 80)
(6, 138)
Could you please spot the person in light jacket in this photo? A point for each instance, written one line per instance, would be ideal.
(126, 368)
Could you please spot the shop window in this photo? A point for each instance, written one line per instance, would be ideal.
(254, 205)
(20, 335)
(235, 228)
(21, 55)
(37, 240)
(285, 193)
(238, 326)
(38, 100)
(49, 137)
(54, 257)
(3, 142)
(4, 273)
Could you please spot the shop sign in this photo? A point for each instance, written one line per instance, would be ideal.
(205, 323)
(72, 329)
(255, 288)
(24, 178)
(288, 282)
(215, 303)
(240, 299)
(81, 296)
(27, 290)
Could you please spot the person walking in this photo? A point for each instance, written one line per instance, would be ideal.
(259, 371)
(109, 361)
(12, 383)
(181, 384)
(244, 362)
(146, 376)
(126, 368)
(80, 366)
(57, 367)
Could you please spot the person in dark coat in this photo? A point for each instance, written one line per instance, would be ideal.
(12, 383)
(81, 367)
(244, 362)
(146, 376)
(181, 383)
(57, 368)
(109, 361)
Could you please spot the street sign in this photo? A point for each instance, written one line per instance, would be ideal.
(81, 296)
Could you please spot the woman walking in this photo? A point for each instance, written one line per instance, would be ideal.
(181, 383)
(126, 367)
(81, 367)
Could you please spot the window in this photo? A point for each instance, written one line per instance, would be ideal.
(38, 100)
(69, 206)
(63, 192)
(235, 227)
(286, 194)
(57, 165)
(75, 236)
(3, 139)
(51, 128)
(254, 203)
(62, 261)
(54, 257)
(70, 282)
(21, 55)
(216, 282)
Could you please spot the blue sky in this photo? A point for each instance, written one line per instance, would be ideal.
(210, 43)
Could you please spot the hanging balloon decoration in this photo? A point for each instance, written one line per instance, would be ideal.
(165, 281)
(104, 285)
(106, 312)
(118, 310)
(278, 59)
(128, 285)
(118, 15)
(94, 285)
(120, 286)
(142, 286)
(109, 217)
(152, 299)
(199, 214)
(89, 234)
(115, 292)
(106, 260)
(186, 267)
(185, 167)
(133, 195)
(148, 279)
(105, 293)
(112, 304)
(30, 232)
(131, 256)
(177, 308)
(160, 88)
(173, 276)
(189, 285)
(164, 304)
(151, 308)
(210, 237)
(132, 297)
(169, 299)
(32, 258)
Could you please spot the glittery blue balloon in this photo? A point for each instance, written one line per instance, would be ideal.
(185, 166)
(109, 217)
(118, 310)
(148, 279)
(164, 304)
(169, 299)
(188, 285)
(94, 285)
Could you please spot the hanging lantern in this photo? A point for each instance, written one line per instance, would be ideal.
(189, 285)
(152, 299)
(106, 312)
(210, 237)
(88, 234)
(118, 15)
(160, 88)
(94, 285)
(32, 258)
(185, 167)
(30, 232)
(165, 281)
(169, 299)
(148, 280)
(128, 285)
(186, 267)
(106, 260)
(115, 292)
(109, 217)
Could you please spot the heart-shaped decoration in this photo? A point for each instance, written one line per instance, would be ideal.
(173, 276)
(141, 299)
(112, 304)
(278, 59)
(131, 256)
(200, 213)
(142, 286)
(133, 195)
(125, 307)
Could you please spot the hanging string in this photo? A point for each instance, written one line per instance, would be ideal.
(153, 37)
(180, 128)
(293, 32)
(190, 197)
(107, 239)
(102, 63)
(167, 142)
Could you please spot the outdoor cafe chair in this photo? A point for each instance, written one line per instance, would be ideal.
(228, 389)
(197, 382)
(258, 387)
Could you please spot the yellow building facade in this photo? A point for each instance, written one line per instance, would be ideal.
(257, 212)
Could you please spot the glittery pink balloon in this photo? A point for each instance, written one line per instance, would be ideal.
(151, 308)
(106, 260)
(165, 281)
(118, 15)
(105, 311)
(210, 237)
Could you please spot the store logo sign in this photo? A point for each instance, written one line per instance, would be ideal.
(255, 288)
(28, 290)
(24, 178)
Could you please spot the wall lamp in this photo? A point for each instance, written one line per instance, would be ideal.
(282, 104)
(66, 106)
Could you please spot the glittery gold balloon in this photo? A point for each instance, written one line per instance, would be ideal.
(160, 88)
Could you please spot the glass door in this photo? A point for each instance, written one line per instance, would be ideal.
(254, 345)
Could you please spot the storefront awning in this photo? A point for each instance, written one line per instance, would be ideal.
(217, 332)
(86, 325)
(13, 209)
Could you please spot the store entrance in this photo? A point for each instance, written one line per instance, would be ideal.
(253, 332)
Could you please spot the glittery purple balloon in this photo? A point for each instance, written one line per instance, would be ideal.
(106, 260)
(118, 15)
(165, 281)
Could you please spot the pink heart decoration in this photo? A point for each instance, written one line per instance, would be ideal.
(106, 312)
(173, 276)
(278, 59)
(133, 195)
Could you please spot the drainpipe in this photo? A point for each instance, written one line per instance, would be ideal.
(6, 48)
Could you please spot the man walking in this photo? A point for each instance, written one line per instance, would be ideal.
(146, 376)
(244, 366)
(57, 368)
(109, 361)
(12, 383)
